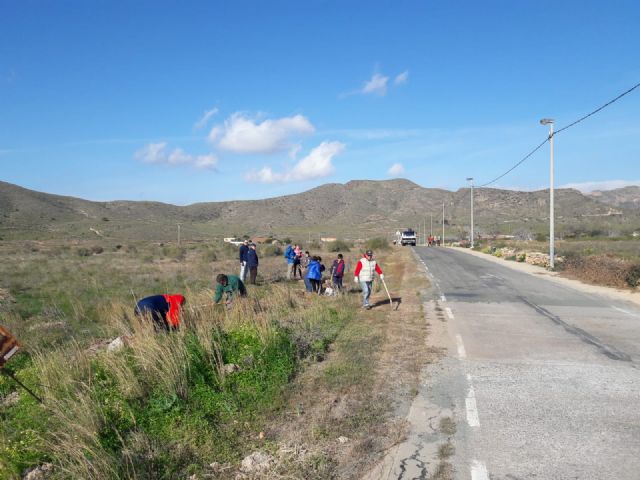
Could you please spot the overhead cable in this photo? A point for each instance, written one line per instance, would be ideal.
(561, 130)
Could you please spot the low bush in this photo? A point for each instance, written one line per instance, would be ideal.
(314, 245)
(633, 275)
(599, 269)
(270, 250)
(174, 252)
(377, 243)
(338, 246)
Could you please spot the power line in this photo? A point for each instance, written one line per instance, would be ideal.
(516, 165)
(598, 109)
(561, 130)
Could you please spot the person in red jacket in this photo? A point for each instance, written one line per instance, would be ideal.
(365, 270)
(164, 310)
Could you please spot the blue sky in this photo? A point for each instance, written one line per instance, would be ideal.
(186, 102)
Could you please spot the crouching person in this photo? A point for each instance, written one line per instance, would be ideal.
(164, 310)
(314, 275)
(228, 286)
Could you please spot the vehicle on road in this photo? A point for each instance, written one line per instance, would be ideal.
(408, 238)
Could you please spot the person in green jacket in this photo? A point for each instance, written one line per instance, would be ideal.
(231, 285)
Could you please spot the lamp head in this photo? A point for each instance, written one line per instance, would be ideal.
(546, 121)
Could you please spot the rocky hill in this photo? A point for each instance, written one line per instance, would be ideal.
(353, 210)
(627, 197)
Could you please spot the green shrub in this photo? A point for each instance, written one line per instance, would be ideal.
(338, 246)
(174, 252)
(377, 243)
(270, 250)
(209, 255)
(633, 276)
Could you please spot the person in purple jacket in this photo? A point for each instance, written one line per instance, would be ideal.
(337, 272)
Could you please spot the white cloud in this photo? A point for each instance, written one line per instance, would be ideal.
(202, 121)
(241, 134)
(157, 153)
(152, 153)
(317, 164)
(588, 187)
(401, 78)
(395, 170)
(376, 85)
(206, 161)
(294, 150)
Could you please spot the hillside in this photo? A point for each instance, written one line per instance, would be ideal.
(355, 209)
(626, 197)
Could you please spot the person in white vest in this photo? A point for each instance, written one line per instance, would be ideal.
(365, 270)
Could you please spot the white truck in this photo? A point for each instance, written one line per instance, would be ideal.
(408, 238)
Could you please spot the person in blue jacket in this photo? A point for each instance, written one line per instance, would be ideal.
(314, 275)
(290, 255)
(252, 263)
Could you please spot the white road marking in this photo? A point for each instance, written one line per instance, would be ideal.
(443, 298)
(462, 353)
(489, 275)
(449, 313)
(479, 471)
(472, 409)
(625, 311)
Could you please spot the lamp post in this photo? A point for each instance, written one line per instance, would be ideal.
(470, 180)
(549, 121)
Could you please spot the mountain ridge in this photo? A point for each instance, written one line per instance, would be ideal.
(362, 206)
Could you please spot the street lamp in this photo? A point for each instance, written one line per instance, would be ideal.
(470, 180)
(549, 121)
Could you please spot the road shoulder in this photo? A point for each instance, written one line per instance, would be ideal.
(613, 293)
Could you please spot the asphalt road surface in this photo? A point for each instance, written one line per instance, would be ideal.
(543, 380)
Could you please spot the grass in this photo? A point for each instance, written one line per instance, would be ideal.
(165, 406)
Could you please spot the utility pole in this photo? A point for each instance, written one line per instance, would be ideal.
(431, 231)
(549, 121)
(179, 234)
(470, 179)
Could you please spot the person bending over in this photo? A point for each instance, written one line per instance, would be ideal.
(164, 310)
(228, 286)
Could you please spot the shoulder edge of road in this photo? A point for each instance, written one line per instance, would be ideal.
(611, 292)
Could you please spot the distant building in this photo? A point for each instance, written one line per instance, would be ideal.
(232, 240)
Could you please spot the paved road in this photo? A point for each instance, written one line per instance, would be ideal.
(543, 380)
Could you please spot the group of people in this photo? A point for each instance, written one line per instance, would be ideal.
(433, 241)
(165, 310)
(248, 261)
(313, 268)
(364, 273)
